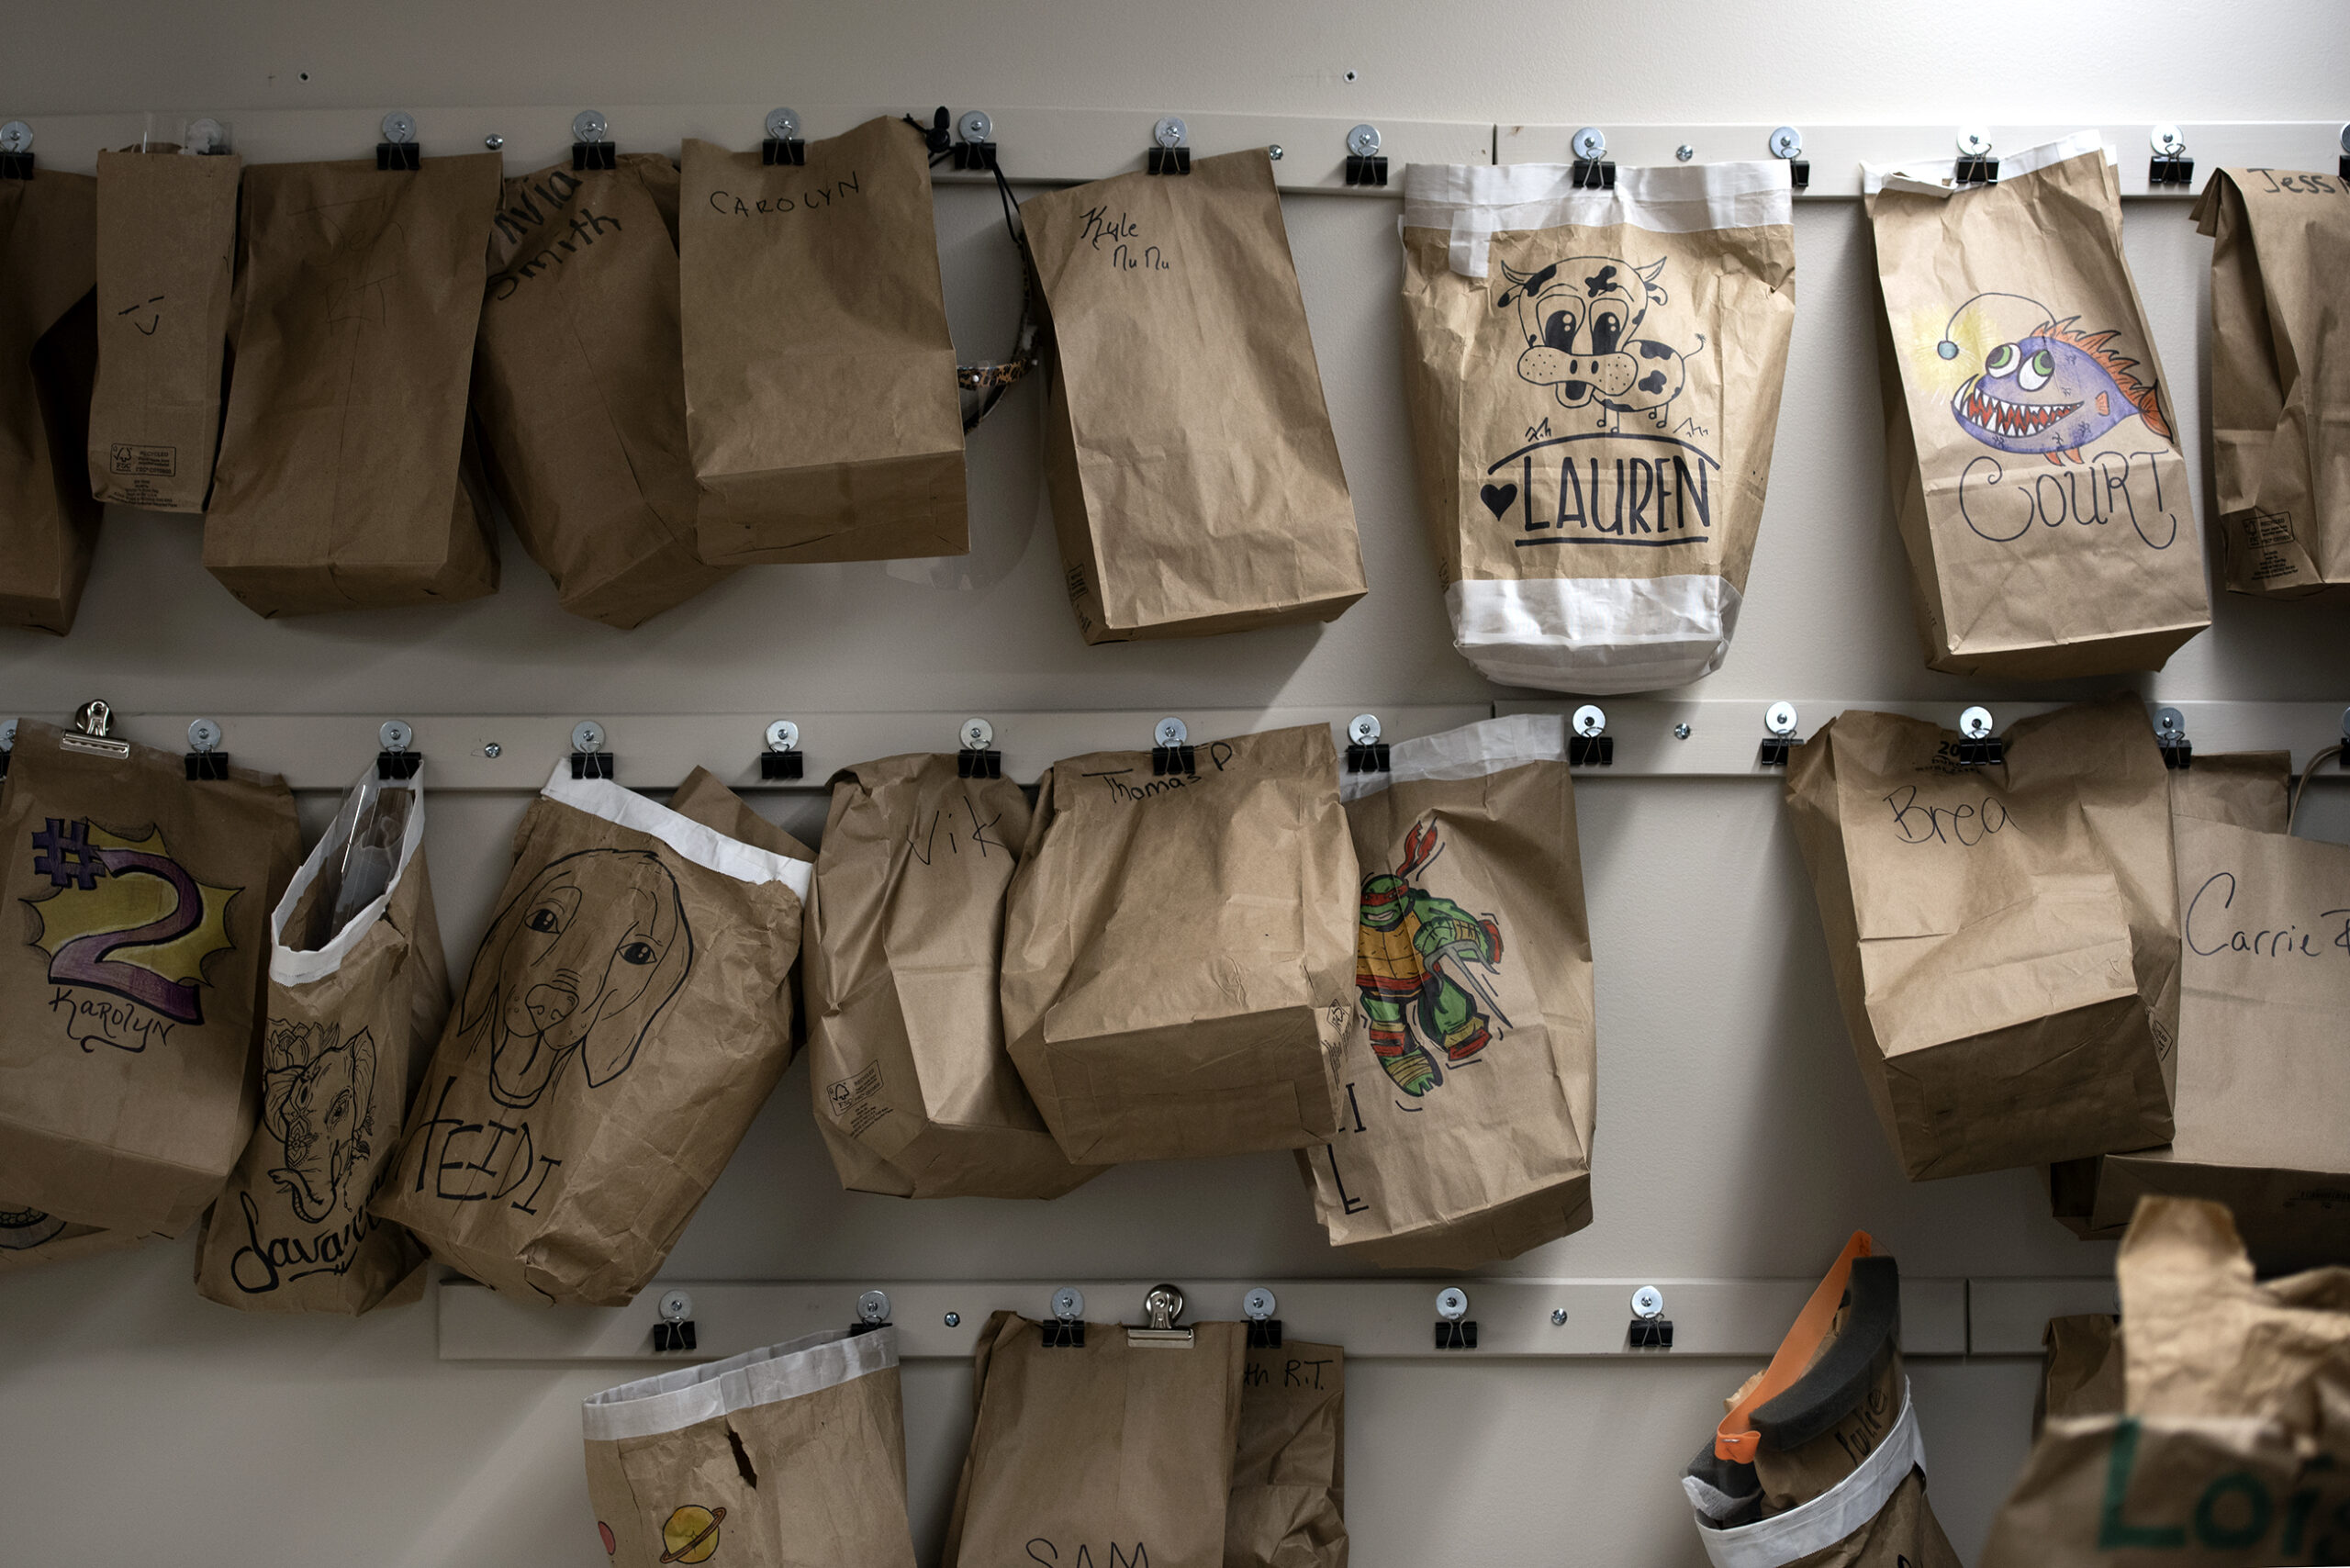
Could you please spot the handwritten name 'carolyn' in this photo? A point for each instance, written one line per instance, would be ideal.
(815, 198)
(2289, 941)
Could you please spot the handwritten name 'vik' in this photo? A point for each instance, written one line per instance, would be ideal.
(815, 198)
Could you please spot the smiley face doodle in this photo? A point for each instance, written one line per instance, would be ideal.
(146, 328)
(1580, 317)
(582, 963)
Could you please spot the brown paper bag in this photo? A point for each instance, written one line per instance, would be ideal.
(2005, 938)
(132, 990)
(1471, 1074)
(2265, 992)
(48, 523)
(339, 485)
(358, 992)
(576, 386)
(2280, 378)
(2080, 1369)
(1289, 1474)
(1195, 479)
(913, 1091)
(167, 240)
(2232, 1450)
(790, 1457)
(2029, 436)
(1116, 1450)
(1594, 384)
(29, 1237)
(1179, 950)
(625, 1020)
(820, 376)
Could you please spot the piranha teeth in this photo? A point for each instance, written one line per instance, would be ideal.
(2008, 418)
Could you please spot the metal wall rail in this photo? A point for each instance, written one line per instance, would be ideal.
(1384, 1319)
(1050, 145)
(515, 751)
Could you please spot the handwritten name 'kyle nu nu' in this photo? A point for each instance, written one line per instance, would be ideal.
(815, 198)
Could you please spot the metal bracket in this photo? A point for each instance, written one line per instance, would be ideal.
(207, 763)
(1364, 166)
(2170, 734)
(975, 145)
(16, 150)
(1588, 742)
(1779, 720)
(592, 143)
(1366, 753)
(977, 759)
(1977, 747)
(783, 144)
(1454, 1328)
(399, 152)
(1169, 751)
(589, 758)
(1161, 1308)
(782, 760)
(1786, 142)
(92, 720)
(1066, 1331)
(1170, 152)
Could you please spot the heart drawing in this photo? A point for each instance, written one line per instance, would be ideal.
(1497, 497)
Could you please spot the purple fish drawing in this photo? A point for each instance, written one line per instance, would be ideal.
(2054, 391)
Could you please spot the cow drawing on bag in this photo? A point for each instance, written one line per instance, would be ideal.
(1580, 316)
(582, 962)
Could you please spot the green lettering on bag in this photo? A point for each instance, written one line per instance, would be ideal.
(2112, 1532)
(2261, 1509)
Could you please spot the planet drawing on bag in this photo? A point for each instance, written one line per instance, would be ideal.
(123, 919)
(1423, 964)
(691, 1535)
(581, 964)
(2050, 391)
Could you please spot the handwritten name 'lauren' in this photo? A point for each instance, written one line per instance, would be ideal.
(2289, 941)
(815, 198)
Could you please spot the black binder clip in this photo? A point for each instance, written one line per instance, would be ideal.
(674, 1329)
(207, 763)
(1264, 1330)
(1593, 175)
(591, 145)
(1455, 1330)
(399, 152)
(872, 1311)
(782, 759)
(396, 762)
(1651, 1329)
(1169, 152)
(1588, 742)
(978, 759)
(589, 758)
(1780, 720)
(783, 146)
(1975, 165)
(17, 151)
(1366, 753)
(1066, 1329)
(974, 151)
(1171, 751)
(1365, 164)
(2170, 165)
(1786, 145)
(7, 743)
(2170, 735)
(1977, 747)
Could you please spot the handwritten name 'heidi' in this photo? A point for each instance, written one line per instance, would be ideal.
(93, 1021)
(815, 198)
(2207, 930)
(470, 1162)
(1121, 232)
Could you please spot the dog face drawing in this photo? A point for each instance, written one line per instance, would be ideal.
(318, 1102)
(581, 963)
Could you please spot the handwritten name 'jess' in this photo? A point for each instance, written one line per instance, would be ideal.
(2290, 940)
(815, 198)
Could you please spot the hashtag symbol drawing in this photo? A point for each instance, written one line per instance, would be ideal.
(64, 855)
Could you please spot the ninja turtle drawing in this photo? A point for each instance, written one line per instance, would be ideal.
(1422, 964)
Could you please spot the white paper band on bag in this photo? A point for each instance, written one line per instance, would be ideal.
(705, 846)
(1598, 635)
(288, 967)
(1827, 1518)
(1937, 176)
(1472, 751)
(1475, 201)
(797, 1367)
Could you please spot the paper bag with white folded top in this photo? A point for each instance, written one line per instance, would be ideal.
(1470, 1078)
(358, 992)
(625, 1020)
(1594, 378)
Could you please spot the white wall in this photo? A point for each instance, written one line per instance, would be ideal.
(139, 1424)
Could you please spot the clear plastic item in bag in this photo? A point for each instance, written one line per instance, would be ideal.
(370, 826)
